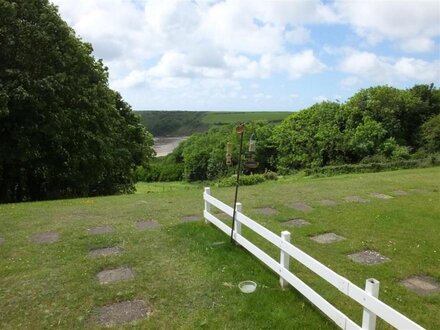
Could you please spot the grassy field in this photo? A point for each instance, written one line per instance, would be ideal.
(221, 118)
(183, 123)
(189, 277)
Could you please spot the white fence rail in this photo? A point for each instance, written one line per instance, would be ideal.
(368, 298)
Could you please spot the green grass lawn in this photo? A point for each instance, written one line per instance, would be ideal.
(189, 279)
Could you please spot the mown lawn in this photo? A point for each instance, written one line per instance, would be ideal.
(189, 278)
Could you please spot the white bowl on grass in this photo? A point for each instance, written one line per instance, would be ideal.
(247, 286)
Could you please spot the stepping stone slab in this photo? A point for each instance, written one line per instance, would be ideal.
(301, 207)
(115, 275)
(327, 202)
(145, 225)
(44, 238)
(327, 238)
(399, 193)
(356, 199)
(296, 223)
(222, 216)
(422, 285)
(418, 190)
(123, 312)
(191, 218)
(381, 196)
(105, 252)
(266, 210)
(100, 230)
(368, 257)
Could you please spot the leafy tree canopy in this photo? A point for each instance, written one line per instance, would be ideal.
(63, 131)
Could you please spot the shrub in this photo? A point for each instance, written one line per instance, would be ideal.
(372, 167)
(245, 180)
(269, 175)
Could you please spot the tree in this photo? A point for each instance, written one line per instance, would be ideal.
(367, 138)
(386, 105)
(430, 133)
(63, 131)
(312, 137)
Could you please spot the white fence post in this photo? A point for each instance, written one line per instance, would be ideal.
(284, 258)
(207, 205)
(237, 224)
(368, 297)
(369, 318)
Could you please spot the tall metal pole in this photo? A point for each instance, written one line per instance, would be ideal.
(237, 184)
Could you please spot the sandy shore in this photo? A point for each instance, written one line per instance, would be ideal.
(165, 145)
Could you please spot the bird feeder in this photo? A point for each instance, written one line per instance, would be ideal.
(252, 143)
(229, 154)
(251, 163)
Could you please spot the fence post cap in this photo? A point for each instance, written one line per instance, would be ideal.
(373, 281)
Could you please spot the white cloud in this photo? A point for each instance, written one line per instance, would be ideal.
(231, 26)
(205, 48)
(302, 63)
(414, 69)
(298, 35)
(412, 24)
(388, 70)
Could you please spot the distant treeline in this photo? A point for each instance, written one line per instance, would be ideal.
(184, 123)
(376, 125)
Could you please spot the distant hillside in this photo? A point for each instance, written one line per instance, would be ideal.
(184, 123)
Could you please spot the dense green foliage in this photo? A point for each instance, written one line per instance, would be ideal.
(173, 123)
(377, 125)
(183, 123)
(224, 118)
(378, 121)
(247, 180)
(373, 167)
(63, 131)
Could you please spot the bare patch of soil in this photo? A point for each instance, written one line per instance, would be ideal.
(300, 206)
(266, 210)
(422, 285)
(420, 190)
(327, 238)
(45, 238)
(356, 199)
(222, 216)
(327, 202)
(399, 193)
(381, 196)
(368, 257)
(123, 312)
(191, 218)
(146, 225)
(115, 275)
(296, 223)
(100, 230)
(105, 252)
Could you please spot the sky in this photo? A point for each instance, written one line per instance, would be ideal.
(257, 55)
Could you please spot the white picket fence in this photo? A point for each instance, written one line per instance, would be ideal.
(368, 298)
